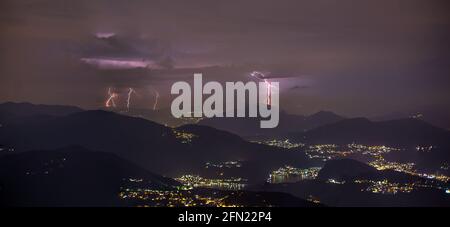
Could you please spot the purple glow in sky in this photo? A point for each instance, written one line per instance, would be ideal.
(119, 64)
(356, 58)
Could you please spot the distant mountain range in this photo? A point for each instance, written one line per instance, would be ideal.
(398, 133)
(250, 127)
(186, 149)
(420, 142)
(10, 110)
(170, 151)
(438, 116)
(161, 116)
(47, 157)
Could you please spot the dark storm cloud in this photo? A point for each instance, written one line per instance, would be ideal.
(361, 56)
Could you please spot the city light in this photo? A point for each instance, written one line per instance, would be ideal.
(291, 174)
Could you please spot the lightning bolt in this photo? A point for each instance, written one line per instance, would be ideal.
(269, 92)
(155, 104)
(130, 92)
(260, 76)
(111, 96)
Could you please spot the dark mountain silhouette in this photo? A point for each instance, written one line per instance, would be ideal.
(345, 168)
(353, 195)
(70, 177)
(265, 199)
(11, 110)
(161, 116)
(403, 133)
(250, 127)
(438, 116)
(323, 117)
(151, 145)
(349, 170)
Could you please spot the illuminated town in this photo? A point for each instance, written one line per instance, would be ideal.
(386, 187)
(374, 156)
(196, 181)
(326, 152)
(227, 164)
(290, 174)
(174, 198)
(281, 143)
(408, 168)
(334, 181)
(183, 137)
(256, 103)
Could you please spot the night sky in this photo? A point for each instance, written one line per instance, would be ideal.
(357, 58)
